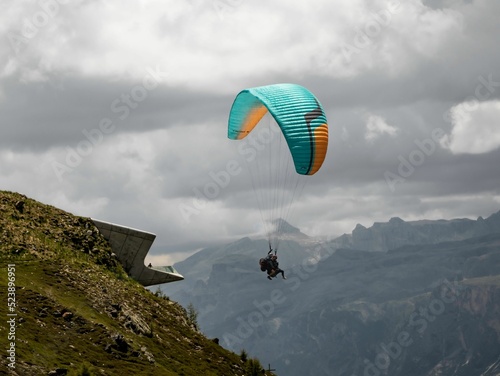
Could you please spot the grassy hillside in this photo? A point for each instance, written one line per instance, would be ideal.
(78, 313)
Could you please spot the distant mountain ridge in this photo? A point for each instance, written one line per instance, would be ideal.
(343, 313)
(395, 233)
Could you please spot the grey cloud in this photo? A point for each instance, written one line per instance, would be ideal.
(40, 115)
(441, 4)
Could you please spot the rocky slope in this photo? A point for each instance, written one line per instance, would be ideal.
(78, 313)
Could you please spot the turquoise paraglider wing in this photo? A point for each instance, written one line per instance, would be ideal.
(298, 114)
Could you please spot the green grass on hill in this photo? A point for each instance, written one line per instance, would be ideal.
(78, 312)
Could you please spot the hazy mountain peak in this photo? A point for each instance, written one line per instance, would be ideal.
(396, 220)
(284, 227)
(359, 226)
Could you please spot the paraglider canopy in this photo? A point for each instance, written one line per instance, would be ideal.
(297, 112)
(292, 114)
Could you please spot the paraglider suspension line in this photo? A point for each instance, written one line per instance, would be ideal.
(271, 248)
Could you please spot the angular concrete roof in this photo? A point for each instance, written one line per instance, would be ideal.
(131, 247)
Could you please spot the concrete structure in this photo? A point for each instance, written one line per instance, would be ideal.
(131, 247)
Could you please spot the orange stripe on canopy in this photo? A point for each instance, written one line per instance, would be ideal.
(320, 147)
(251, 120)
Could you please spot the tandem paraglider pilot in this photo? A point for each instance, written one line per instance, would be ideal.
(270, 265)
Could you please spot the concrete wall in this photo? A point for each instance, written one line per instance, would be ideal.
(131, 247)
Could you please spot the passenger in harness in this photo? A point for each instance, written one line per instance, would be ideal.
(270, 265)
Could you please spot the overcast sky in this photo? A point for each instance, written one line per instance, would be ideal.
(118, 110)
